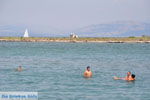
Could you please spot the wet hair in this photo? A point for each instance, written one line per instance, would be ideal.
(87, 67)
(133, 76)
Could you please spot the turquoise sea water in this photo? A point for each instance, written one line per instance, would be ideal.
(55, 70)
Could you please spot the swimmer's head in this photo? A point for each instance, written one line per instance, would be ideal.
(88, 68)
(19, 68)
(128, 73)
(133, 76)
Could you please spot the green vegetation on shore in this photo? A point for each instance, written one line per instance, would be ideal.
(82, 39)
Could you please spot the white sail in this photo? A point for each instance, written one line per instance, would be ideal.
(26, 34)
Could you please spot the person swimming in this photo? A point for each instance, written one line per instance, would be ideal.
(88, 72)
(129, 77)
(19, 69)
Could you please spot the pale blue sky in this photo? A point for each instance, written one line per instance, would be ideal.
(48, 15)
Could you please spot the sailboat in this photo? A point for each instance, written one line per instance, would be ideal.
(26, 34)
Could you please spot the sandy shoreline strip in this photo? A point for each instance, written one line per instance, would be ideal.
(79, 40)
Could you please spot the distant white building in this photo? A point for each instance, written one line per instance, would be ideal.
(73, 35)
(26, 34)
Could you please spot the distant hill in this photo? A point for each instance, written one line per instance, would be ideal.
(116, 29)
(18, 31)
(11, 30)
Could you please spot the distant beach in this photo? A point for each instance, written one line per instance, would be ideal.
(145, 39)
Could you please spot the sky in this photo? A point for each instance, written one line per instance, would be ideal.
(64, 15)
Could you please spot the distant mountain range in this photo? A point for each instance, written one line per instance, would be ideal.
(116, 29)
(18, 31)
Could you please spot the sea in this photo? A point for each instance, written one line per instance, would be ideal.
(55, 70)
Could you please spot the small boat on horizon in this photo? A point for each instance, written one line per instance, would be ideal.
(26, 34)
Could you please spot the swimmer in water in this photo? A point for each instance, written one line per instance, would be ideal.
(129, 77)
(19, 69)
(88, 72)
